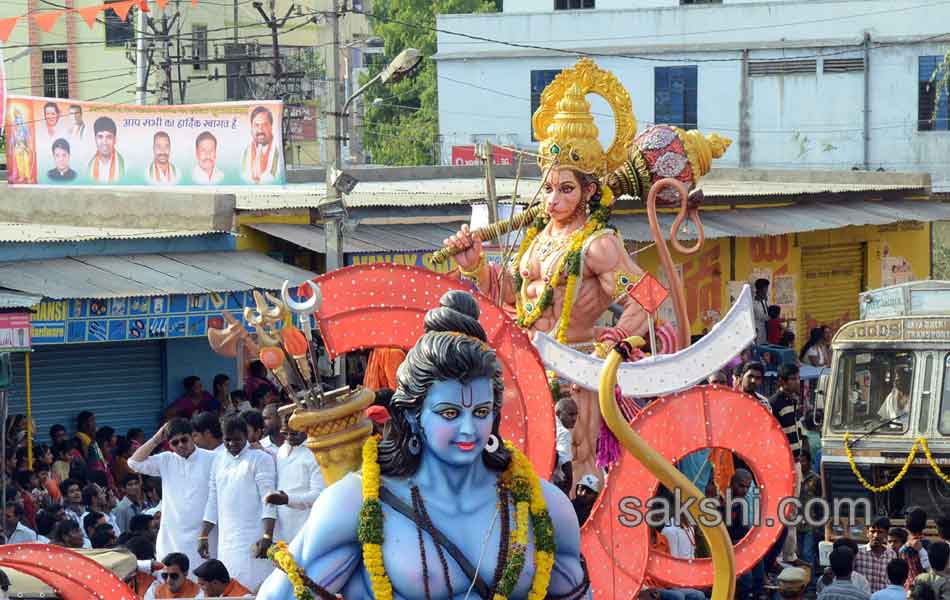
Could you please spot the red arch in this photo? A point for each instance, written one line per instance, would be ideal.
(702, 417)
(72, 575)
(383, 305)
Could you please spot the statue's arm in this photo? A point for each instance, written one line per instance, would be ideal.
(607, 260)
(327, 547)
(568, 573)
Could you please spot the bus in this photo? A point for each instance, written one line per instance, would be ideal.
(889, 387)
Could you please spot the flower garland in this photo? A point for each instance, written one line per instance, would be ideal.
(370, 531)
(280, 554)
(920, 442)
(530, 507)
(528, 313)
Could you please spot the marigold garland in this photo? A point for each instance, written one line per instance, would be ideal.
(920, 442)
(370, 532)
(530, 508)
(280, 554)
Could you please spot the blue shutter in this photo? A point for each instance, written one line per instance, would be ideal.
(121, 383)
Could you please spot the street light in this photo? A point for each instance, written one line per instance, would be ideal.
(404, 63)
(338, 183)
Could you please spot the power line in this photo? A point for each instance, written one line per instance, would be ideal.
(852, 48)
(755, 27)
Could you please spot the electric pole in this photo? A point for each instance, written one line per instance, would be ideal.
(141, 64)
(333, 212)
(274, 24)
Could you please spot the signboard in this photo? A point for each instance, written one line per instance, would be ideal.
(129, 319)
(421, 258)
(465, 155)
(909, 329)
(14, 332)
(303, 122)
(888, 302)
(62, 142)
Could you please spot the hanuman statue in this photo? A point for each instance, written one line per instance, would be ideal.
(571, 265)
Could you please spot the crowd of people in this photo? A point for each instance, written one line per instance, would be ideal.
(199, 503)
(227, 461)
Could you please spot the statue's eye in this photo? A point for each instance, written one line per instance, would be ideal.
(449, 413)
(482, 412)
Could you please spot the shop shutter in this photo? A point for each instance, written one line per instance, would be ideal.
(832, 278)
(121, 383)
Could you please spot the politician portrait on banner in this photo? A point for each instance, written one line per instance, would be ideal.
(58, 142)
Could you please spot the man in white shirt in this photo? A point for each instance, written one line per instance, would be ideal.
(261, 162)
(682, 543)
(206, 155)
(565, 412)
(273, 432)
(207, 432)
(96, 500)
(107, 166)
(299, 483)
(185, 473)
(14, 530)
(240, 480)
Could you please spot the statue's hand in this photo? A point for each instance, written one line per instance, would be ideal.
(469, 247)
(610, 335)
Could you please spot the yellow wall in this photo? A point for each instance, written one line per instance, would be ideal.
(706, 275)
(251, 239)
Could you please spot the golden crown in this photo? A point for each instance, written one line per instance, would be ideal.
(566, 126)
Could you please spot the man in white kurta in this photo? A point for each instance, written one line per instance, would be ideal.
(185, 473)
(240, 480)
(299, 482)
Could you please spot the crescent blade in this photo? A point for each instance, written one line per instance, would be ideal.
(666, 373)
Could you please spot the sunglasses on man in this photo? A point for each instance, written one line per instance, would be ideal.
(172, 576)
(177, 441)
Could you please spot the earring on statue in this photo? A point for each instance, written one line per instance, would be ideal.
(493, 444)
(415, 445)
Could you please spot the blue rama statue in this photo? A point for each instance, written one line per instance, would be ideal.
(442, 507)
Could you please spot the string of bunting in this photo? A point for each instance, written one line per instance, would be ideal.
(46, 20)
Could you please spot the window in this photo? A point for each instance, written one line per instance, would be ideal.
(238, 67)
(873, 389)
(573, 4)
(199, 47)
(119, 32)
(675, 96)
(944, 425)
(539, 81)
(926, 94)
(55, 74)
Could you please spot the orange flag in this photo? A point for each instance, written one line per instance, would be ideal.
(122, 8)
(6, 27)
(89, 14)
(162, 3)
(143, 6)
(47, 20)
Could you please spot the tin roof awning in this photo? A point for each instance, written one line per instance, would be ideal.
(403, 237)
(809, 216)
(148, 274)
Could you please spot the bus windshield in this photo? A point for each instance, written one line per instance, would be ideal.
(873, 387)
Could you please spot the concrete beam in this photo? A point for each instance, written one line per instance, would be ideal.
(103, 207)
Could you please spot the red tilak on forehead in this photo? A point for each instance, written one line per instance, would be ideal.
(471, 397)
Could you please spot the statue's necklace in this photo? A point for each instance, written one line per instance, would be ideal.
(423, 521)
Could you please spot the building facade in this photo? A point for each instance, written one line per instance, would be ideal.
(214, 51)
(794, 84)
